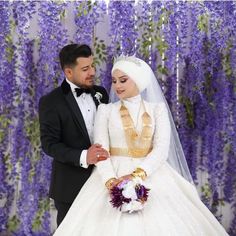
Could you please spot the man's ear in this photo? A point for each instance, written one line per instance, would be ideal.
(68, 72)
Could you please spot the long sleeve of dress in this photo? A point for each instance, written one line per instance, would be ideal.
(101, 136)
(161, 141)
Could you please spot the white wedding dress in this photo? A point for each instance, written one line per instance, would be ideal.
(173, 207)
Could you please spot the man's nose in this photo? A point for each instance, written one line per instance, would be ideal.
(92, 71)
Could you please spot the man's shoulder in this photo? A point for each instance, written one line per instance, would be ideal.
(52, 95)
(54, 92)
(99, 88)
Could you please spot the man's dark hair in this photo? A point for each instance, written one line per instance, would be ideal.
(71, 52)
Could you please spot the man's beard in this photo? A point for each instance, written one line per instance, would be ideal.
(87, 86)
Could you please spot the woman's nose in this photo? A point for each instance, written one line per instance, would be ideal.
(118, 84)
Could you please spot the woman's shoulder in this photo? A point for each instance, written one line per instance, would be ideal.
(155, 106)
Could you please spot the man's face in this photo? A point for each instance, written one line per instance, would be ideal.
(82, 74)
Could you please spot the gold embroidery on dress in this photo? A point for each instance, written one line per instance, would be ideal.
(136, 143)
(139, 152)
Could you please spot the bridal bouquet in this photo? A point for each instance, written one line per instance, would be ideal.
(129, 195)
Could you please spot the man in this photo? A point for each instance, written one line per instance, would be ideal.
(66, 117)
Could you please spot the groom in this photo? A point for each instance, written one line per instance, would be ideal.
(66, 117)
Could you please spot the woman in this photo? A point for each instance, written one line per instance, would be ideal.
(140, 135)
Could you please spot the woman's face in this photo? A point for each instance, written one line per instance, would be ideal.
(123, 86)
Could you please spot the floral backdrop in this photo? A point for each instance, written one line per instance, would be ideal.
(190, 45)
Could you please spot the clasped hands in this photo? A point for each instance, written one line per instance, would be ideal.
(114, 181)
(96, 153)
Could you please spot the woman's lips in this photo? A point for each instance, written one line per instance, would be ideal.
(119, 91)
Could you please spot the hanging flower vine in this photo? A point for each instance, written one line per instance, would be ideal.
(196, 41)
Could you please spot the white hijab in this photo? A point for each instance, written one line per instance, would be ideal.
(139, 71)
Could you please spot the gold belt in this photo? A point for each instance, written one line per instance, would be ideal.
(133, 152)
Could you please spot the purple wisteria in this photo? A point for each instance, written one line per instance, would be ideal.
(7, 91)
(86, 16)
(52, 36)
(121, 36)
(191, 46)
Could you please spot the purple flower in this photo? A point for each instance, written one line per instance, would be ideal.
(142, 192)
(117, 198)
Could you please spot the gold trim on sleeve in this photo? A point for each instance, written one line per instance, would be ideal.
(139, 172)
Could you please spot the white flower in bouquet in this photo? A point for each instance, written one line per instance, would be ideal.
(132, 206)
(137, 180)
(129, 191)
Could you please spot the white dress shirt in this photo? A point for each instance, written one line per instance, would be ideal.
(88, 110)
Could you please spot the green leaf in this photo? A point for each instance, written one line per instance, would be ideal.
(206, 190)
(203, 22)
(5, 122)
(44, 205)
(13, 224)
(162, 69)
(189, 108)
(63, 14)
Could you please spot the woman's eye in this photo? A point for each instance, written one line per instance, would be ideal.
(123, 81)
(113, 81)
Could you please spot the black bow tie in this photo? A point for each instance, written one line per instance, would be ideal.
(79, 91)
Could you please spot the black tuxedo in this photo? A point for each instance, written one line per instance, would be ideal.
(64, 136)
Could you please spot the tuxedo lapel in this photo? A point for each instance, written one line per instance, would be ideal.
(74, 108)
(93, 93)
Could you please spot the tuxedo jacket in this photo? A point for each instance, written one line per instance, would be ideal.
(64, 136)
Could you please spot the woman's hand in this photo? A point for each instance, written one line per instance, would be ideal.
(111, 183)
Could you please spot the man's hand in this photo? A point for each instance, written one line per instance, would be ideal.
(96, 153)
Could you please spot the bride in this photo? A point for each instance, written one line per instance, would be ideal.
(140, 135)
